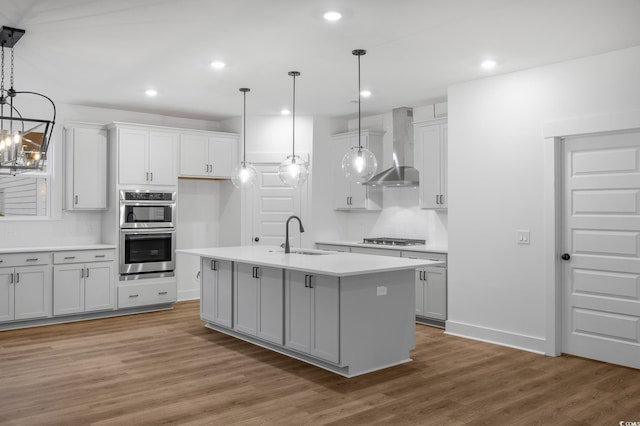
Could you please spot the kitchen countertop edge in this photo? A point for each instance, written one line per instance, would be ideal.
(417, 248)
(57, 248)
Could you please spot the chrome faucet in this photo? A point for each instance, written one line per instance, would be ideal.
(287, 249)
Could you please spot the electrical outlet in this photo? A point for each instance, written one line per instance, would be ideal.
(381, 291)
(523, 236)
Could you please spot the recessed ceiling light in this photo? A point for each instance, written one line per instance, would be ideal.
(151, 92)
(285, 111)
(218, 65)
(365, 93)
(332, 16)
(488, 64)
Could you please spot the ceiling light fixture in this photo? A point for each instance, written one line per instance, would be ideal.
(293, 171)
(23, 141)
(218, 65)
(151, 93)
(245, 174)
(285, 112)
(488, 64)
(332, 16)
(359, 164)
(365, 93)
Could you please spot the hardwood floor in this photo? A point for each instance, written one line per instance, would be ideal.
(166, 368)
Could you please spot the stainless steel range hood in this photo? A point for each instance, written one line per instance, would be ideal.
(402, 174)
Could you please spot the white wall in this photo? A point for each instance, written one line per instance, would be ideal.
(496, 163)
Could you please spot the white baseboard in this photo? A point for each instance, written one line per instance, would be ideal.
(498, 337)
(188, 294)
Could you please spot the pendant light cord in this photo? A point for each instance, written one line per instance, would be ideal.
(359, 113)
(244, 91)
(294, 74)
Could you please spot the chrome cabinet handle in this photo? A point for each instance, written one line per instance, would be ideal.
(82, 273)
(437, 199)
(34, 259)
(256, 272)
(151, 176)
(76, 200)
(162, 293)
(306, 280)
(214, 265)
(441, 199)
(69, 257)
(17, 277)
(206, 168)
(131, 296)
(11, 278)
(146, 176)
(87, 272)
(310, 282)
(100, 255)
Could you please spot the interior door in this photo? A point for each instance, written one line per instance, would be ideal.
(602, 237)
(273, 203)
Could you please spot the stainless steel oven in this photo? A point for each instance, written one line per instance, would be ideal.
(147, 234)
(147, 253)
(147, 209)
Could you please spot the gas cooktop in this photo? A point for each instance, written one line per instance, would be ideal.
(387, 241)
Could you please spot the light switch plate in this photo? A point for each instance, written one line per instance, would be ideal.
(523, 236)
(381, 291)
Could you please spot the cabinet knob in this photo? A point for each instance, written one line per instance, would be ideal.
(565, 256)
(256, 239)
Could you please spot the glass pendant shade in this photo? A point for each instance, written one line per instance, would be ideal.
(359, 165)
(244, 175)
(293, 171)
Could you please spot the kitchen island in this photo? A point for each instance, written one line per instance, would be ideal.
(348, 313)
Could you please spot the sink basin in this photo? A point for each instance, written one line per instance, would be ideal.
(305, 252)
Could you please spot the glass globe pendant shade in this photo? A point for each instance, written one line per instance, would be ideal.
(293, 171)
(359, 165)
(244, 175)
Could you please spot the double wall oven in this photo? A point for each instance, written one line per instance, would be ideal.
(147, 234)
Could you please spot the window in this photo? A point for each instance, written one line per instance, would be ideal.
(23, 195)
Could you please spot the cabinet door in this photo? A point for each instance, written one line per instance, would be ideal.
(208, 289)
(68, 289)
(246, 301)
(270, 313)
(6, 294)
(87, 180)
(419, 292)
(427, 140)
(194, 156)
(162, 159)
(435, 293)
(444, 160)
(325, 318)
(33, 292)
(133, 159)
(221, 156)
(216, 291)
(99, 287)
(297, 315)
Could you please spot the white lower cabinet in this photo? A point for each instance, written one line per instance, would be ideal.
(431, 293)
(25, 293)
(258, 302)
(216, 291)
(312, 320)
(83, 286)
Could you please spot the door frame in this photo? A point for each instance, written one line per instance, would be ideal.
(553, 185)
(246, 201)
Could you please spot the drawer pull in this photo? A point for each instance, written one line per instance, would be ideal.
(162, 293)
(100, 255)
(69, 257)
(33, 259)
(131, 296)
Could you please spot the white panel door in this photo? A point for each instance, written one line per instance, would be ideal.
(194, 155)
(297, 311)
(68, 289)
(33, 288)
(89, 168)
(602, 236)
(99, 287)
(325, 317)
(246, 299)
(270, 305)
(273, 203)
(133, 158)
(221, 156)
(7, 277)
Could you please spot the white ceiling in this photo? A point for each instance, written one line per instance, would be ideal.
(106, 53)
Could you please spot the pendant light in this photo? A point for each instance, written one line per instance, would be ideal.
(359, 164)
(293, 171)
(23, 141)
(245, 174)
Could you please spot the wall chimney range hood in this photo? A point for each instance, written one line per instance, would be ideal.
(402, 174)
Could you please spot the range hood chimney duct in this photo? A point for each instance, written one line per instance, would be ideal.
(402, 173)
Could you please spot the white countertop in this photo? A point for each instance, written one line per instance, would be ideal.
(333, 263)
(428, 248)
(56, 248)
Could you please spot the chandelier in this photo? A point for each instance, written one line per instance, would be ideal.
(23, 141)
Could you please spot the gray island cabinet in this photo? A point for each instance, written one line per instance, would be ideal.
(347, 313)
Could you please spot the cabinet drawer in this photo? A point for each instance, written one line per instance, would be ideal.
(376, 251)
(146, 294)
(24, 259)
(427, 256)
(83, 256)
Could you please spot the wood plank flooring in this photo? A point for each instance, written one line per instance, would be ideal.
(166, 368)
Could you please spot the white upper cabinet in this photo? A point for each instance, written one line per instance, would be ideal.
(208, 156)
(146, 157)
(430, 139)
(86, 167)
(349, 195)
